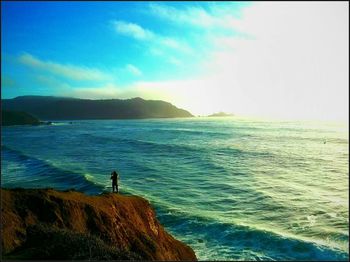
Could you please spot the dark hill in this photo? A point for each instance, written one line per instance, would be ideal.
(60, 108)
(9, 118)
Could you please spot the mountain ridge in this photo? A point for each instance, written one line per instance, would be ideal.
(68, 108)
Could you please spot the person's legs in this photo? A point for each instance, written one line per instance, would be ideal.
(117, 189)
(113, 185)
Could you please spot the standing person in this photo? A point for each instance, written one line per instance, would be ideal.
(114, 178)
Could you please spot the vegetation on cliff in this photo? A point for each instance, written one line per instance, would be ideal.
(58, 108)
(50, 224)
(9, 118)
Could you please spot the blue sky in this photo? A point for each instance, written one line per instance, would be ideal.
(86, 34)
(242, 57)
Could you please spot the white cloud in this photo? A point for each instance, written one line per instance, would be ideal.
(133, 70)
(216, 16)
(191, 15)
(50, 82)
(68, 71)
(155, 41)
(168, 57)
(132, 30)
(175, 44)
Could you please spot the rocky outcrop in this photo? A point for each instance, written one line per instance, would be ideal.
(50, 224)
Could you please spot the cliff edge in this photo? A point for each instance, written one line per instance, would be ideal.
(50, 224)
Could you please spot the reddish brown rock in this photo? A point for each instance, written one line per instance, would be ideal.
(127, 223)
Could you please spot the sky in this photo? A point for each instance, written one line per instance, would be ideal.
(270, 59)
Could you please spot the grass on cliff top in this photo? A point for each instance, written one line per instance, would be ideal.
(45, 242)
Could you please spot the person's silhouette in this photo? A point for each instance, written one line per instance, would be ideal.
(114, 178)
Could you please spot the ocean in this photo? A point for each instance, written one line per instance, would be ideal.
(231, 188)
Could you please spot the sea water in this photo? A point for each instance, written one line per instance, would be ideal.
(231, 188)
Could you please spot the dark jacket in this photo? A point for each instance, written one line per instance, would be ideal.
(114, 177)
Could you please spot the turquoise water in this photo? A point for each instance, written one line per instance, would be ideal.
(231, 188)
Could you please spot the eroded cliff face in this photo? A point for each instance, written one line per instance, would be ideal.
(119, 227)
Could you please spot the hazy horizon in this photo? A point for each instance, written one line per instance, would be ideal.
(272, 60)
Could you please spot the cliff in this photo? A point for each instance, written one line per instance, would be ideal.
(50, 224)
(59, 108)
(9, 118)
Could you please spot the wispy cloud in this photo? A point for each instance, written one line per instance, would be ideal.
(191, 15)
(133, 70)
(132, 30)
(153, 39)
(175, 44)
(63, 70)
(217, 18)
(194, 16)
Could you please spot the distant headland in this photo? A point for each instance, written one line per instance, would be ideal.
(62, 108)
(220, 114)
